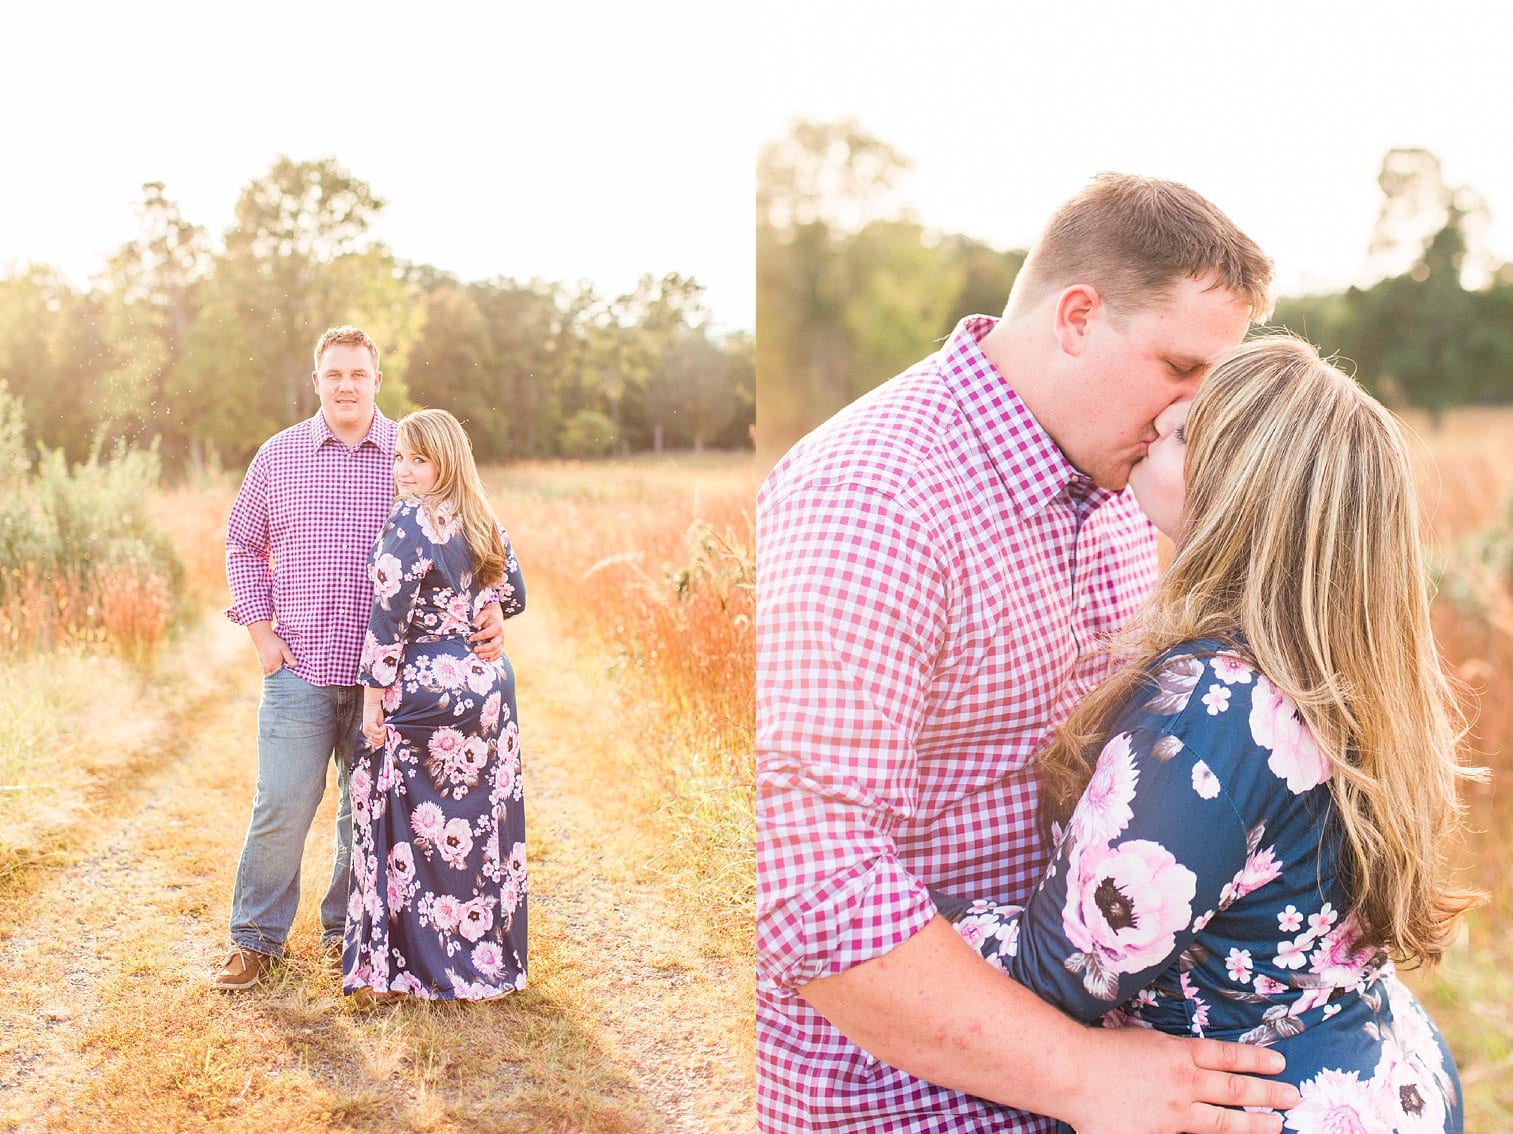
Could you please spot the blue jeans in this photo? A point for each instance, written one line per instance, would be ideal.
(300, 729)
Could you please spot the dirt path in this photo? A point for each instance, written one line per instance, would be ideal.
(632, 1022)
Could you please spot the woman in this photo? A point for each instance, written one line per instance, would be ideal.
(1267, 779)
(437, 906)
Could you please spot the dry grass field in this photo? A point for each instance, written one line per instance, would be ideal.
(1468, 495)
(125, 781)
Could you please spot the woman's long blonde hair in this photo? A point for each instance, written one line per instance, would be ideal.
(1300, 547)
(458, 491)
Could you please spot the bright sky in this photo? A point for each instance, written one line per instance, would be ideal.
(589, 140)
(1279, 112)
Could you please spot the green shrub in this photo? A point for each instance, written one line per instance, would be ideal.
(588, 433)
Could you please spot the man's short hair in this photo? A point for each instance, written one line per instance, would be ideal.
(346, 335)
(1133, 238)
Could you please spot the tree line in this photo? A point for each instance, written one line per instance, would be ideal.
(852, 288)
(203, 348)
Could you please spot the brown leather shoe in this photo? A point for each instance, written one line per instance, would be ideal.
(243, 969)
(332, 952)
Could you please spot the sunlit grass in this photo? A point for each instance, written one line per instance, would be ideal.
(1467, 485)
(654, 561)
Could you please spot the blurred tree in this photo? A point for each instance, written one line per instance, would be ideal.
(1418, 204)
(451, 364)
(153, 293)
(904, 288)
(54, 348)
(290, 224)
(529, 332)
(850, 288)
(816, 187)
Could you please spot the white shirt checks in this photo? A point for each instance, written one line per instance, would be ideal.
(933, 577)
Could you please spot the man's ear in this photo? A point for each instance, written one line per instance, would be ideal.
(378, 380)
(1076, 309)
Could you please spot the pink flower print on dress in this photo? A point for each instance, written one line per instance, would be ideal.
(1260, 868)
(1337, 1102)
(471, 761)
(456, 842)
(459, 613)
(1232, 669)
(488, 959)
(1275, 724)
(1415, 1100)
(1321, 922)
(477, 918)
(1205, 783)
(381, 661)
(488, 718)
(391, 698)
(517, 860)
(504, 779)
(1292, 954)
(1216, 700)
(409, 984)
(1268, 986)
(481, 676)
(428, 822)
(446, 913)
(1104, 809)
(437, 527)
(443, 754)
(385, 574)
(1337, 962)
(1289, 920)
(402, 863)
(449, 672)
(1238, 965)
(1123, 910)
(360, 788)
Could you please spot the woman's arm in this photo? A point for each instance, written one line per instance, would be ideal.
(401, 558)
(1154, 848)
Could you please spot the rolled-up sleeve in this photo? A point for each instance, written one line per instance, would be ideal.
(852, 615)
(249, 569)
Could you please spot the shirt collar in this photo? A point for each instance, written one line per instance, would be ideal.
(380, 431)
(1033, 469)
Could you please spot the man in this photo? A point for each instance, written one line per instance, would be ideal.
(315, 498)
(936, 568)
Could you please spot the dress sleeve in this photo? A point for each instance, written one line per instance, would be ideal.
(1154, 848)
(401, 559)
(509, 592)
(851, 617)
(248, 570)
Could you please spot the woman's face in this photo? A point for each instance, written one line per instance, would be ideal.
(1157, 480)
(414, 474)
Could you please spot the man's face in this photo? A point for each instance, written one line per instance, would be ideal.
(1132, 368)
(347, 383)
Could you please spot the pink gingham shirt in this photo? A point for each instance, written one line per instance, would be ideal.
(298, 539)
(932, 575)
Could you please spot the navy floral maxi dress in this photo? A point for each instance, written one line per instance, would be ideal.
(1196, 890)
(437, 902)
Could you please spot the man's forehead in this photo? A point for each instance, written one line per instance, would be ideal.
(362, 363)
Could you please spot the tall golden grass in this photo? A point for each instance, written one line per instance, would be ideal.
(1466, 480)
(653, 561)
(125, 608)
